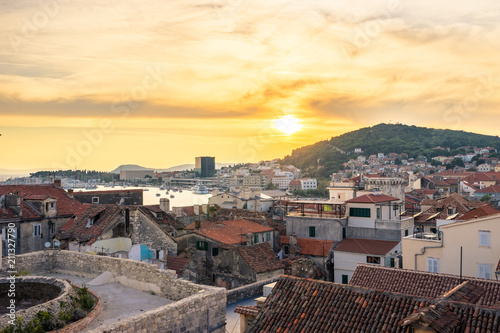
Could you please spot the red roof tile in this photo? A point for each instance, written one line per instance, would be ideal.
(310, 247)
(76, 228)
(229, 232)
(490, 189)
(66, 205)
(478, 212)
(305, 305)
(367, 246)
(260, 257)
(372, 198)
(419, 283)
(177, 264)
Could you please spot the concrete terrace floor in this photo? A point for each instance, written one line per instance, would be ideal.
(119, 302)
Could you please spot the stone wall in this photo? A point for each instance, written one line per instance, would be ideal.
(234, 295)
(198, 308)
(52, 306)
(149, 233)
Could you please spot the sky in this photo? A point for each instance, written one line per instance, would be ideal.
(95, 84)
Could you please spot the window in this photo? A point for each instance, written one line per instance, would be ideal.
(256, 239)
(392, 262)
(46, 206)
(52, 205)
(202, 246)
(95, 199)
(378, 212)
(406, 232)
(450, 211)
(345, 279)
(285, 249)
(484, 238)
(215, 251)
(433, 230)
(268, 236)
(37, 230)
(90, 222)
(312, 231)
(433, 265)
(484, 271)
(373, 260)
(359, 212)
(344, 233)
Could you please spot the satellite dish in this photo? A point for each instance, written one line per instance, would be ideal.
(47, 245)
(57, 243)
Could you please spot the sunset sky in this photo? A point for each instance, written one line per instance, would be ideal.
(94, 84)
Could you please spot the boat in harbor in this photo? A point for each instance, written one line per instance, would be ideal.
(199, 189)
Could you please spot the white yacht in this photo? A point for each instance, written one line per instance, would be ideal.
(199, 189)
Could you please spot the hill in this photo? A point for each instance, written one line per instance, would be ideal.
(329, 155)
(181, 167)
(129, 167)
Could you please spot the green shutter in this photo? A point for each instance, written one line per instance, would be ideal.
(312, 231)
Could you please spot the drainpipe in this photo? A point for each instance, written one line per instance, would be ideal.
(440, 233)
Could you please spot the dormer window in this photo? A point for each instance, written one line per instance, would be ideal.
(158, 215)
(95, 200)
(90, 222)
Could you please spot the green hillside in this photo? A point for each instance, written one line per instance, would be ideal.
(328, 156)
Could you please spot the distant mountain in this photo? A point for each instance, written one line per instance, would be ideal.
(329, 155)
(129, 167)
(180, 167)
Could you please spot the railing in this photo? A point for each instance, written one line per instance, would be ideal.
(324, 215)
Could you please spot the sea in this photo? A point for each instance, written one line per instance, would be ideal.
(150, 197)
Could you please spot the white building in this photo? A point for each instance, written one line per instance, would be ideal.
(309, 184)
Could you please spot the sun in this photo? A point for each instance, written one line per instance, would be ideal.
(288, 124)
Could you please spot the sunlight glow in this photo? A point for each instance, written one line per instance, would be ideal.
(288, 124)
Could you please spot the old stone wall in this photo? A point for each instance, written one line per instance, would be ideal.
(147, 232)
(53, 305)
(197, 308)
(234, 295)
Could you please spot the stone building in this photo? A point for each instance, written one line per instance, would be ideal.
(218, 257)
(34, 213)
(114, 229)
(120, 197)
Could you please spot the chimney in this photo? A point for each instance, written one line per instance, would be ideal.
(165, 205)
(57, 182)
(249, 238)
(204, 208)
(293, 248)
(197, 224)
(13, 201)
(196, 209)
(70, 192)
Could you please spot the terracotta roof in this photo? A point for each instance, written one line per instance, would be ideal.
(367, 246)
(419, 283)
(481, 211)
(76, 228)
(177, 264)
(490, 189)
(260, 257)
(247, 310)
(372, 198)
(310, 247)
(66, 205)
(165, 221)
(229, 232)
(440, 207)
(305, 305)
